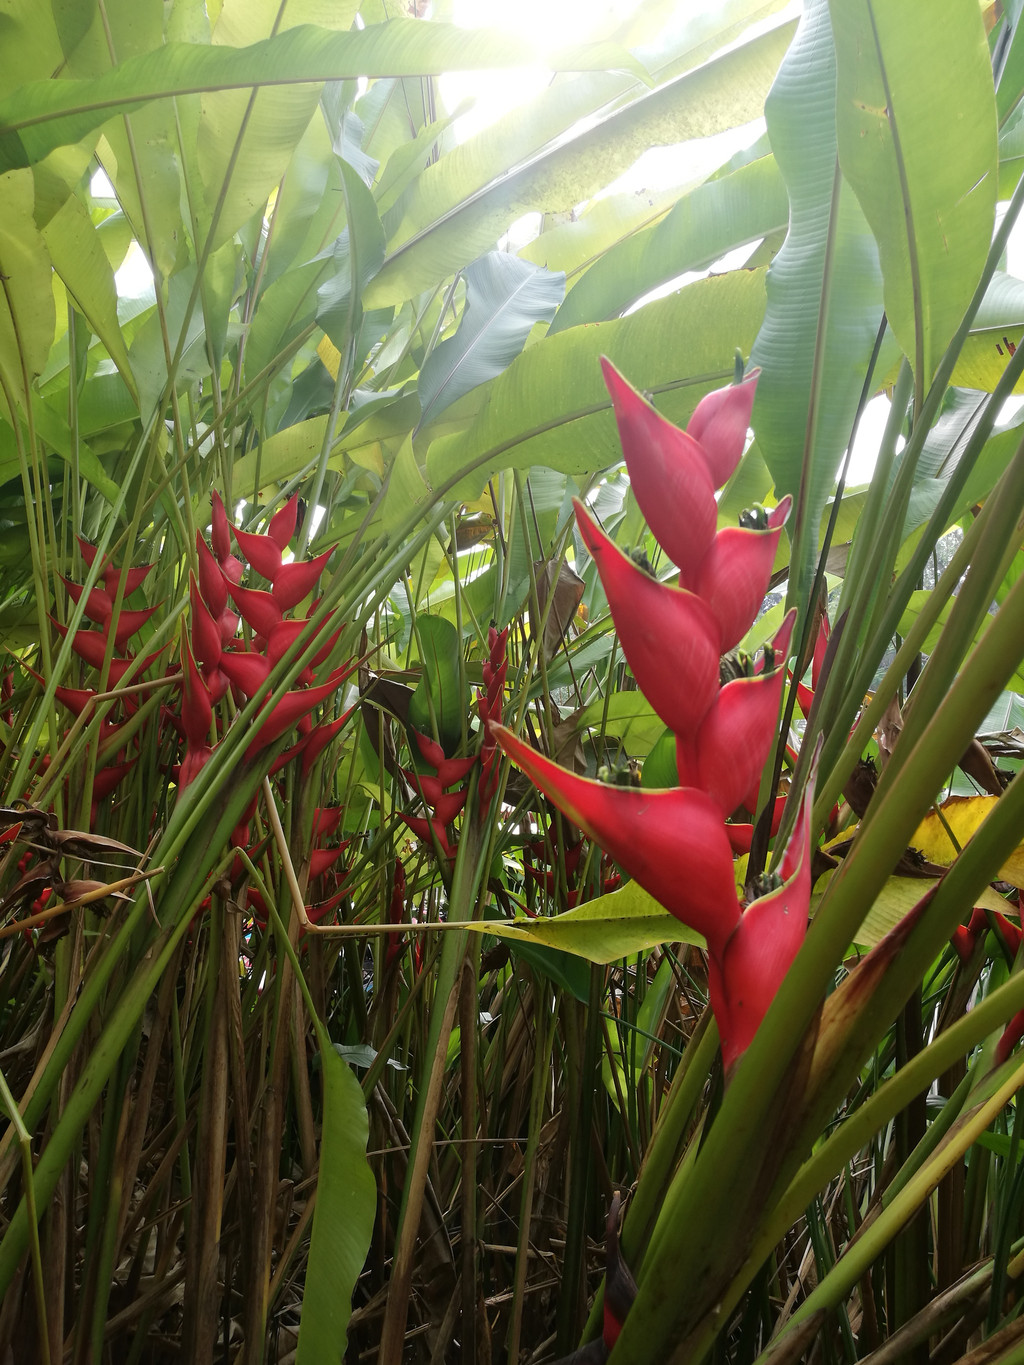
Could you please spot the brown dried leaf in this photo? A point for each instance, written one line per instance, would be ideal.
(564, 587)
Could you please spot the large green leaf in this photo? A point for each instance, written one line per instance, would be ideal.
(26, 301)
(505, 298)
(148, 184)
(441, 698)
(926, 180)
(48, 114)
(550, 407)
(824, 292)
(356, 258)
(449, 216)
(80, 260)
(703, 225)
(346, 1205)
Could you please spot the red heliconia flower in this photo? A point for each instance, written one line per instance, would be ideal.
(99, 607)
(744, 978)
(672, 841)
(1009, 1039)
(490, 705)
(443, 805)
(804, 694)
(111, 576)
(293, 706)
(675, 842)
(196, 708)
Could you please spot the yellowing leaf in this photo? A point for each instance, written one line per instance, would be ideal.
(606, 929)
(962, 815)
(330, 355)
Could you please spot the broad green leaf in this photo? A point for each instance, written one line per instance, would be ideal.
(441, 699)
(926, 181)
(30, 47)
(48, 114)
(660, 769)
(79, 259)
(246, 138)
(824, 294)
(574, 241)
(603, 930)
(453, 215)
(282, 456)
(630, 717)
(346, 1206)
(914, 606)
(505, 298)
(706, 223)
(567, 970)
(284, 308)
(356, 258)
(148, 185)
(1006, 715)
(550, 407)
(27, 314)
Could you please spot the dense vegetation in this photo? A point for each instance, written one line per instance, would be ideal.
(328, 1031)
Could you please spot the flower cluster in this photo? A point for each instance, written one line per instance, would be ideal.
(213, 660)
(675, 841)
(444, 805)
(113, 760)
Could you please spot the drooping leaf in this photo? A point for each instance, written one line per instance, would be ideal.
(451, 215)
(79, 259)
(550, 406)
(603, 930)
(704, 224)
(49, 114)
(356, 258)
(346, 1205)
(505, 298)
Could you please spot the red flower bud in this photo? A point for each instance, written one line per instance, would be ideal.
(668, 635)
(668, 473)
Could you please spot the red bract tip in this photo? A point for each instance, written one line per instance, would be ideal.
(288, 711)
(719, 422)
(668, 473)
(736, 736)
(203, 629)
(260, 551)
(282, 523)
(668, 635)
(220, 535)
(744, 980)
(294, 582)
(732, 578)
(212, 583)
(671, 841)
(259, 609)
(196, 709)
